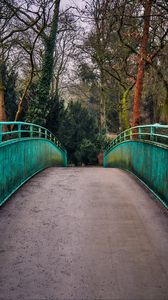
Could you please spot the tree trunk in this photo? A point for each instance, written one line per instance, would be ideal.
(165, 110)
(3, 117)
(102, 101)
(2, 106)
(143, 54)
(21, 99)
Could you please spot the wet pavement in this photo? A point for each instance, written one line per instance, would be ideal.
(83, 233)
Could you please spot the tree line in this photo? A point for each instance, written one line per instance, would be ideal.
(105, 61)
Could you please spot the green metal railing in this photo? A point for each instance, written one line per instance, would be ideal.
(153, 132)
(25, 150)
(18, 130)
(143, 151)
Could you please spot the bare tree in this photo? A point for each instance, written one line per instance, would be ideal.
(17, 23)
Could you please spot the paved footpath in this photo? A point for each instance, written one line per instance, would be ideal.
(83, 233)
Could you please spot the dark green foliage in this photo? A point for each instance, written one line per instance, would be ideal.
(102, 142)
(113, 120)
(11, 98)
(88, 152)
(39, 105)
(40, 111)
(149, 112)
(80, 135)
(33, 110)
(56, 114)
(112, 111)
(39, 108)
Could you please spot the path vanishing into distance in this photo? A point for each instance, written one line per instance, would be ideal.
(83, 233)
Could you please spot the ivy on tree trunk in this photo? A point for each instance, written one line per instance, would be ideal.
(39, 113)
(2, 94)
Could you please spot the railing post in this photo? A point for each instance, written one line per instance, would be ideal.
(124, 135)
(139, 132)
(31, 130)
(152, 132)
(39, 132)
(19, 131)
(45, 133)
(130, 134)
(155, 136)
(0, 133)
(50, 136)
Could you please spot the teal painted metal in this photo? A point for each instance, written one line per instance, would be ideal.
(143, 152)
(153, 132)
(24, 152)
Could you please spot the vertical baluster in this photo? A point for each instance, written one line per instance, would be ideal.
(19, 130)
(139, 132)
(39, 130)
(131, 134)
(31, 130)
(45, 133)
(152, 131)
(156, 132)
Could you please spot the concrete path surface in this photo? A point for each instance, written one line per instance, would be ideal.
(83, 233)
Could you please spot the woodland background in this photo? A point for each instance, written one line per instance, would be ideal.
(87, 72)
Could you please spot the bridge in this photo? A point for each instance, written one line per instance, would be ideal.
(84, 233)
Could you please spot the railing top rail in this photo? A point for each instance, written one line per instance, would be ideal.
(140, 134)
(23, 123)
(146, 126)
(30, 124)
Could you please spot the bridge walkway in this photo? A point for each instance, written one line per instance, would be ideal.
(83, 233)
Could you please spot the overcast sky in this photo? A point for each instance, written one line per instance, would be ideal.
(66, 3)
